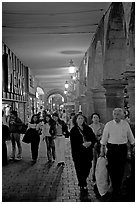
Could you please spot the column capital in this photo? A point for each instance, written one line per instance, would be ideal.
(129, 74)
(112, 83)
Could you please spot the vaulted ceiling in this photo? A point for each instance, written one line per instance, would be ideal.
(45, 36)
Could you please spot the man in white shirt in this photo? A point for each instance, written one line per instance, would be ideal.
(116, 134)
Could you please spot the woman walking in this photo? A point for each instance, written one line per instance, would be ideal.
(48, 132)
(82, 141)
(61, 133)
(35, 127)
(97, 128)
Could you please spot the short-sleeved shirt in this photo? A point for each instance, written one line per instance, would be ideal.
(117, 133)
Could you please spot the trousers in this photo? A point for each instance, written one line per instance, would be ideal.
(117, 156)
(15, 139)
(60, 148)
(50, 148)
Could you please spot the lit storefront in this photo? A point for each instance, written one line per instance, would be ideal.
(31, 102)
(14, 81)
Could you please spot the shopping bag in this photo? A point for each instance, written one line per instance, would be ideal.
(102, 177)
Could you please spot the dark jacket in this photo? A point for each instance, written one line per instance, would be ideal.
(15, 128)
(79, 152)
(64, 128)
(5, 133)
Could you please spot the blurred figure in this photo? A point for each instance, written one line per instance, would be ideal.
(48, 133)
(61, 133)
(4, 118)
(35, 127)
(97, 128)
(14, 124)
(82, 141)
(5, 136)
(39, 116)
(116, 134)
(64, 116)
(70, 122)
(44, 113)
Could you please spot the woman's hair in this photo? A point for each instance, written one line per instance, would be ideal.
(55, 114)
(95, 114)
(51, 121)
(13, 112)
(72, 114)
(74, 120)
(32, 119)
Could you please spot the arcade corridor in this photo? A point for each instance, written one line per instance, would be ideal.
(64, 56)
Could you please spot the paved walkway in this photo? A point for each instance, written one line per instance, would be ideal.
(41, 182)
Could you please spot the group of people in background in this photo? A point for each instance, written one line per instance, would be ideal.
(88, 142)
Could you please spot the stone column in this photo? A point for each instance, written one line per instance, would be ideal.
(76, 105)
(89, 105)
(83, 103)
(99, 100)
(130, 76)
(114, 95)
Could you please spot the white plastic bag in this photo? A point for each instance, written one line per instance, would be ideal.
(102, 177)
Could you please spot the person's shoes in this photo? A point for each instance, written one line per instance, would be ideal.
(50, 160)
(34, 161)
(61, 164)
(12, 158)
(18, 158)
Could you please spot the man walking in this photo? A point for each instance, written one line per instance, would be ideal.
(116, 134)
(14, 124)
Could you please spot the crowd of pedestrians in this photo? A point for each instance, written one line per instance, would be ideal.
(88, 143)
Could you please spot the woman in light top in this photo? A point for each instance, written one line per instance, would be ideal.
(61, 133)
(35, 127)
(48, 133)
(97, 128)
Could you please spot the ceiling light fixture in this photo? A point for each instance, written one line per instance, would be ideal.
(66, 85)
(72, 67)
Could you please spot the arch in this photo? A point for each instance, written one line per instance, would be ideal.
(55, 91)
(115, 53)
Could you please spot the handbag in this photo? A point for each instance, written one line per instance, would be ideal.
(28, 136)
(22, 128)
